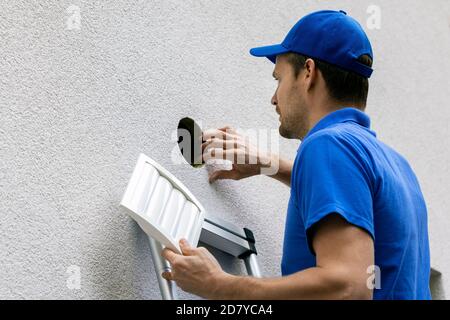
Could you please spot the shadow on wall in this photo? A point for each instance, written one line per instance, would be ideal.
(228, 263)
(436, 285)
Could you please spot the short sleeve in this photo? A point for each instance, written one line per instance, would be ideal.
(333, 178)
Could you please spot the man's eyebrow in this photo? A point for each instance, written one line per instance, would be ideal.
(274, 75)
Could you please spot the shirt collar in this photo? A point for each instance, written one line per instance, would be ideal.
(340, 116)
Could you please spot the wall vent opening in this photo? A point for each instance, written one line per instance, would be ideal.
(190, 142)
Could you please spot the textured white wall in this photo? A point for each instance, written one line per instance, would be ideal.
(78, 106)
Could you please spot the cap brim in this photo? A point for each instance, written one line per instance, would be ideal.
(270, 52)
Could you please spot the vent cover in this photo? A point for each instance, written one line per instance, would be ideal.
(162, 206)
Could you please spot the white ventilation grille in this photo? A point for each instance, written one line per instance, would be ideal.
(162, 206)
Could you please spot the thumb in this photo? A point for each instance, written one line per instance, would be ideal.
(167, 275)
(222, 174)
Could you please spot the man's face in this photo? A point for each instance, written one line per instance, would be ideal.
(289, 101)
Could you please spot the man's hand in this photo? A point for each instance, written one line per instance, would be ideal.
(196, 271)
(247, 160)
(226, 143)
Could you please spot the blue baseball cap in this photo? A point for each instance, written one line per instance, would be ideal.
(330, 36)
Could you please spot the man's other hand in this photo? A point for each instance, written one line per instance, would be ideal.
(195, 271)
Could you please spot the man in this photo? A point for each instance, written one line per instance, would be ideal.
(355, 205)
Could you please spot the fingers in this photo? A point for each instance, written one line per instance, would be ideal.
(169, 255)
(219, 143)
(186, 248)
(223, 174)
(225, 133)
(177, 262)
(228, 129)
(233, 155)
(223, 143)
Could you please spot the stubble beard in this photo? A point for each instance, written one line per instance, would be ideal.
(295, 127)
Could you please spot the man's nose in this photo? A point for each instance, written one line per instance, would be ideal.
(274, 100)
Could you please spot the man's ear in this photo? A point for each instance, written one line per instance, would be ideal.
(310, 73)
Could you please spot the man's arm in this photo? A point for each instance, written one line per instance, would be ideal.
(343, 254)
(284, 170)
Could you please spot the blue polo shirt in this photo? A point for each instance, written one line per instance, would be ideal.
(341, 167)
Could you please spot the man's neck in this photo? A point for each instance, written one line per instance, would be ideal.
(322, 112)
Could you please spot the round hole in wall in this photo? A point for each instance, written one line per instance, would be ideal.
(190, 142)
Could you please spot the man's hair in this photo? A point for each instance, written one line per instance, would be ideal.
(343, 86)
